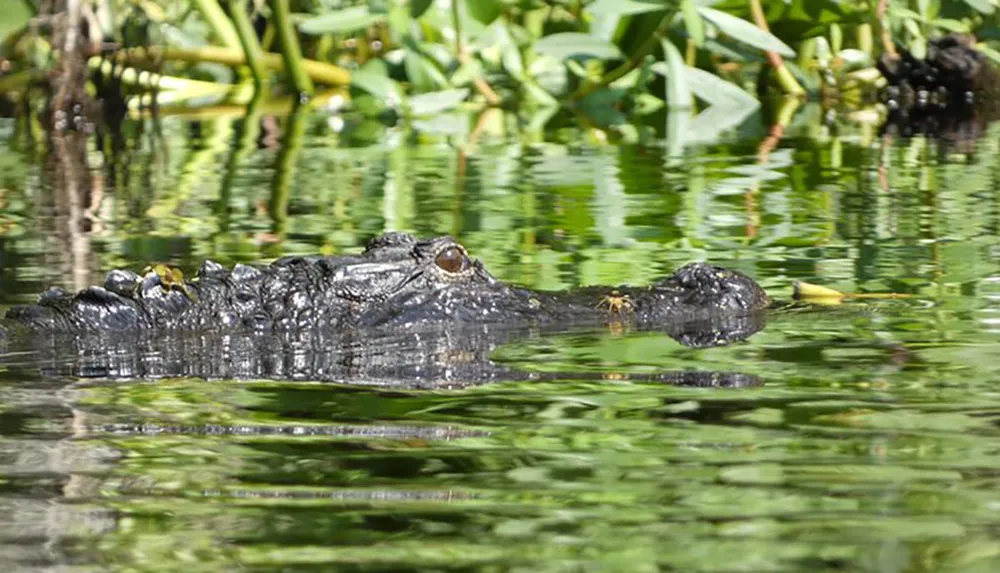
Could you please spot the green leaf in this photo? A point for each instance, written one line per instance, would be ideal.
(715, 120)
(984, 6)
(466, 72)
(823, 52)
(716, 91)
(15, 16)
(951, 25)
(484, 11)
(693, 23)
(539, 96)
(618, 8)
(499, 37)
(745, 32)
(340, 21)
(647, 103)
(423, 75)
(797, 20)
(855, 57)
(602, 107)
(379, 85)
(836, 38)
(678, 94)
(418, 7)
(436, 102)
(573, 44)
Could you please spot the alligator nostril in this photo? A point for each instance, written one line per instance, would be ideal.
(451, 260)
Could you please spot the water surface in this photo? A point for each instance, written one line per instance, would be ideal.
(870, 444)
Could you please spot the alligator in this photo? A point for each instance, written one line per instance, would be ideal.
(402, 309)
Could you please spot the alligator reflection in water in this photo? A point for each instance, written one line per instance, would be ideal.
(438, 359)
(404, 312)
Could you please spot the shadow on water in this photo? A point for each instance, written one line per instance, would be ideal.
(858, 438)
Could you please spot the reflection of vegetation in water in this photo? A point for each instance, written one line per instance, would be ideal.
(840, 459)
(571, 209)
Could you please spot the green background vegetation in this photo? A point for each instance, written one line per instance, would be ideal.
(612, 63)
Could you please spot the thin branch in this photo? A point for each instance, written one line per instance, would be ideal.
(788, 82)
(248, 40)
(887, 43)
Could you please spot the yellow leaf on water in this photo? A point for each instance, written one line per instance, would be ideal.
(816, 293)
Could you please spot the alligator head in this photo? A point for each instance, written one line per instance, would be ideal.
(401, 281)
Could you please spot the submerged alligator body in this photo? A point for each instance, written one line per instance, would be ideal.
(406, 312)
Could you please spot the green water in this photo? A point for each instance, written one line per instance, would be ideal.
(872, 444)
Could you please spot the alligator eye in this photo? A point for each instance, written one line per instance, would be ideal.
(451, 260)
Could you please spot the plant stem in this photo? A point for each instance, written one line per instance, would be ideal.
(690, 53)
(887, 44)
(298, 79)
(320, 72)
(456, 24)
(216, 19)
(248, 40)
(481, 85)
(786, 80)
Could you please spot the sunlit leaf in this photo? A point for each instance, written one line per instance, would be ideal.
(692, 22)
(15, 15)
(678, 94)
(823, 52)
(950, 25)
(618, 8)
(539, 95)
(854, 56)
(716, 91)
(498, 36)
(423, 75)
(379, 85)
(435, 102)
(745, 32)
(466, 72)
(573, 44)
(715, 120)
(340, 21)
(984, 6)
